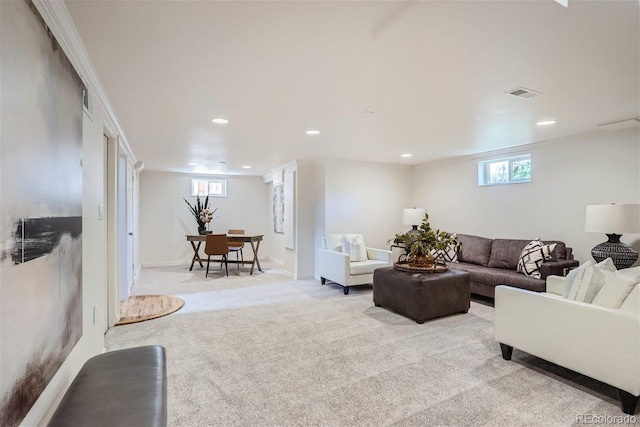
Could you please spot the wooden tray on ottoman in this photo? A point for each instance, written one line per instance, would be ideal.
(408, 268)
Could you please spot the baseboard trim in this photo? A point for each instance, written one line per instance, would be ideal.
(162, 264)
(276, 261)
(289, 274)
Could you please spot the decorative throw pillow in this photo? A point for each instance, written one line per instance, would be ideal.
(450, 254)
(586, 282)
(618, 287)
(606, 265)
(532, 257)
(354, 246)
(632, 302)
(574, 278)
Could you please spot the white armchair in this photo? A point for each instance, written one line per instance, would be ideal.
(337, 266)
(597, 341)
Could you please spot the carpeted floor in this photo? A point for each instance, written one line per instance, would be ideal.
(265, 350)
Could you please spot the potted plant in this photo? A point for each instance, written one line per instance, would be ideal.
(201, 213)
(421, 245)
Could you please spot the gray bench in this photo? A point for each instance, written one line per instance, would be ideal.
(118, 388)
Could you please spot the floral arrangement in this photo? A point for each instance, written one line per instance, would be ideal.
(420, 245)
(201, 212)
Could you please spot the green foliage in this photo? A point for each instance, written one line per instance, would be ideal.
(425, 240)
(521, 169)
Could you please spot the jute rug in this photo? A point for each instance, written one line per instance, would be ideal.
(139, 308)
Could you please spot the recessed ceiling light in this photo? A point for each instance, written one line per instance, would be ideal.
(193, 164)
(313, 132)
(246, 167)
(546, 123)
(220, 121)
(406, 155)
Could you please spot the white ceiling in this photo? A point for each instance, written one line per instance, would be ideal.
(433, 73)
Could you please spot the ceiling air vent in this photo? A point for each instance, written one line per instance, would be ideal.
(524, 93)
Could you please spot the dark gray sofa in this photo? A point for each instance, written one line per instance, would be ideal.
(493, 262)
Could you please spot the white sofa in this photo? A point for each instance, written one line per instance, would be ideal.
(599, 342)
(335, 265)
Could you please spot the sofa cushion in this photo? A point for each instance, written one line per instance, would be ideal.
(495, 277)
(617, 288)
(505, 253)
(532, 257)
(560, 252)
(474, 249)
(365, 267)
(354, 246)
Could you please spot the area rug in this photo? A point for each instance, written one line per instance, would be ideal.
(139, 308)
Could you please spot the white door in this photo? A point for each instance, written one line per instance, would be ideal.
(130, 172)
(124, 270)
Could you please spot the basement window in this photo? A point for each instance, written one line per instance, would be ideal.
(506, 170)
(209, 187)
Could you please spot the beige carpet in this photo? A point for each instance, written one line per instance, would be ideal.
(139, 308)
(264, 350)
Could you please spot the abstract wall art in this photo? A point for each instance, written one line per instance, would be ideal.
(40, 208)
(278, 208)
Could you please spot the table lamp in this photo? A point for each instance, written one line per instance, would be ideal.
(413, 217)
(613, 220)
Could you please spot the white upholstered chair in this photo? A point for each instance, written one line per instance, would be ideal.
(353, 266)
(597, 341)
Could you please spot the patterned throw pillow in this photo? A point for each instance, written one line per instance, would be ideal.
(532, 257)
(354, 246)
(450, 254)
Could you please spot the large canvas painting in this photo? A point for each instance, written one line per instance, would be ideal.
(40, 208)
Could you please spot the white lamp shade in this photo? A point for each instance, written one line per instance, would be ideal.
(612, 219)
(413, 216)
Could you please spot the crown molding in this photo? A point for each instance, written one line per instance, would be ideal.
(57, 17)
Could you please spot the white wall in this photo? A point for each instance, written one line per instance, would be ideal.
(567, 175)
(307, 220)
(278, 252)
(165, 218)
(366, 198)
(298, 262)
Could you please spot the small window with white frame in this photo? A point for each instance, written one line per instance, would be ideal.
(209, 187)
(505, 170)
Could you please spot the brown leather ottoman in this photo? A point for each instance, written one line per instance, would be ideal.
(422, 296)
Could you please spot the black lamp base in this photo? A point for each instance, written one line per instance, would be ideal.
(622, 255)
(414, 229)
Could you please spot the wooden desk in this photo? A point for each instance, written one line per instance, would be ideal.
(253, 239)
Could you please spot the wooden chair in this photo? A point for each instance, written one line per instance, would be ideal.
(236, 246)
(216, 244)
